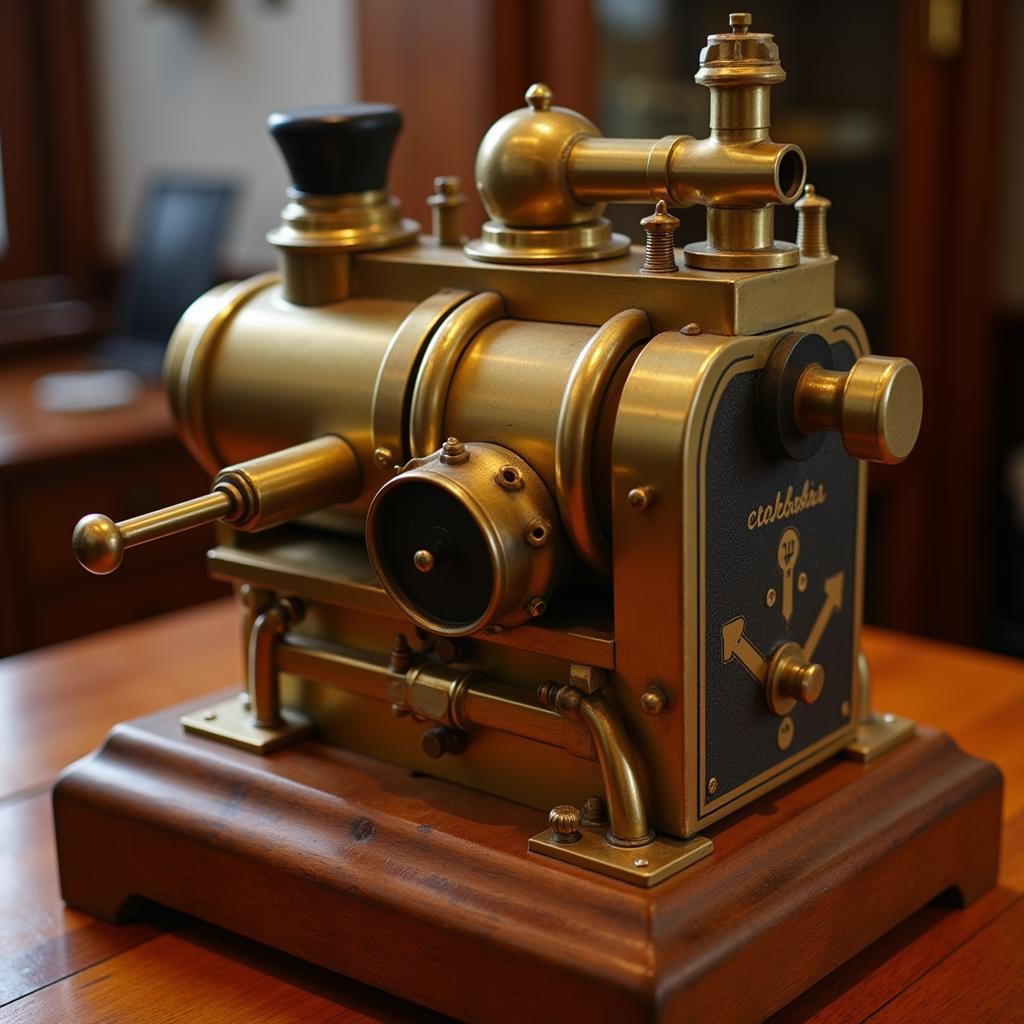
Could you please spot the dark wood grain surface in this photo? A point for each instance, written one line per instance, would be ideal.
(58, 964)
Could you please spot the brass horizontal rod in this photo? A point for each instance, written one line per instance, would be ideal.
(163, 522)
(486, 703)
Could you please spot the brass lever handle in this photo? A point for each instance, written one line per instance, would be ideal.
(252, 495)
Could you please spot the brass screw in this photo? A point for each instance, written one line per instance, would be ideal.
(209, 716)
(536, 607)
(640, 498)
(801, 582)
(740, 21)
(654, 700)
(784, 737)
(844, 709)
(446, 211)
(384, 457)
(811, 231)
(659, 241)
(691, 329)
(712, 785)
(423, 560)
(454, 452)
(564, 821)
(769, 598)
(641, 862)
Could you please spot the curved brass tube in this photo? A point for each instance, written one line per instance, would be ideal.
(626, 812)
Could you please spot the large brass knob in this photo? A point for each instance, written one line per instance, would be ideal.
(875, 406)
(792, 679)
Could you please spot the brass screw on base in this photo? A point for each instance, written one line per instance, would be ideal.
(811, 232)
(659, 243)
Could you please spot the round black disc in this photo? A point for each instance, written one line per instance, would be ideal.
(422, 516)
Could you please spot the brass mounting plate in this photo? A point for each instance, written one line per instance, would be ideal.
(879, 736)
(229, 722)
(639, 865)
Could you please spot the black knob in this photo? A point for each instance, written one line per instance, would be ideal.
(334, 150)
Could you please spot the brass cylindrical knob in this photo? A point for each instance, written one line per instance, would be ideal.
(564, 821)
(876, 406)
(792, 679)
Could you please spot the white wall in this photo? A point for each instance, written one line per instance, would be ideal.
(179, 92)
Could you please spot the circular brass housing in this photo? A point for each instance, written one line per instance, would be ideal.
(494, 549)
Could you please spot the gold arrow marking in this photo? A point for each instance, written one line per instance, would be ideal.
(736, 645)
(833, 603)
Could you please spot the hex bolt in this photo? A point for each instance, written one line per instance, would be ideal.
(454, 452)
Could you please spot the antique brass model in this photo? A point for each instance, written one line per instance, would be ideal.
(572, 522)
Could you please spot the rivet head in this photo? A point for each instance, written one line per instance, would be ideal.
(653, 700)
(641, 862)
(384, 457)
(536, 607)
(844, 709)
(423, 560)
(691, 329)
(770, 597)
(209, 716)
(640, 498)
(564, 821)
(712, 785)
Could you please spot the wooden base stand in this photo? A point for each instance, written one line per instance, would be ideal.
(428, 890)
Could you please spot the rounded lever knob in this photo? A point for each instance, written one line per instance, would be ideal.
(876, 406)
(337, 150)
(792, 679)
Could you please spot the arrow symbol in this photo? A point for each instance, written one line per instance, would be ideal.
(833, 603)
(736, 645)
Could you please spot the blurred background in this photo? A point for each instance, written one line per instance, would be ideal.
(135, 171)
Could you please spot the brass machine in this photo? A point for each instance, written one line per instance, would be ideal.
(572, 522)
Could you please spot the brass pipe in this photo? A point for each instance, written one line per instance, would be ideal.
(741, 172)
(627, 814)
(261, 664)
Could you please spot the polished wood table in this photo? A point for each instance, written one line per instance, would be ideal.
(59, 965)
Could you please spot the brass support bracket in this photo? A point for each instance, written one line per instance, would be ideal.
(229, 722)
(644, 866)
(878, 736)
(255, 719)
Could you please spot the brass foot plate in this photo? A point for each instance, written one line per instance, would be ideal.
(879, 736)
(641, 865)
(229, 721)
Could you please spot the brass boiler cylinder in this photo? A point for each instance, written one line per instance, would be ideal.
(248, 372)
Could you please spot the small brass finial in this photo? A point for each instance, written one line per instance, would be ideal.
(446, 211)
(811, 230)
(659, 241)
(740, 21)
(564, 821)
(539, 96)
(401, 655)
